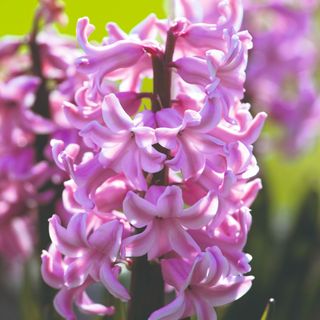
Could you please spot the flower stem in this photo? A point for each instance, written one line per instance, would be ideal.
(147, 289)
(147, 285)
(42, 107)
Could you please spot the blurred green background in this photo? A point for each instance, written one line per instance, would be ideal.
(16, 15)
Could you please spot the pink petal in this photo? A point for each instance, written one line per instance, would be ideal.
(86, 305)
(239, 157)
(144, 136)
(175, 272)
(114, 150)
(193, 70)
(151, 160)
(161, 246)
(234, 288)
(145, 29)
(59, 151)
(52, 268)
(201, 213)
(96, 135)
(204, 310)
(181, 242)
(211, 115)
(170, 203)
(131, 167)
(167, 137)
(107, 238)
(101, 60)
(77, 117)
(112, 284)
(138, 211)
(63, 303)
(248, 136)
(188, 160)
(172, 311)
(168, 118)
(203, 35)
(251, 190)
(69, 243)
(77, 271)
(141, 243)
(113, 114)
(115, 33)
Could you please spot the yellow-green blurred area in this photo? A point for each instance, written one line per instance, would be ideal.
(16, 15)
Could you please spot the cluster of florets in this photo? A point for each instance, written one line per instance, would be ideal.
(281, 72)
(37, 75)
(167, 173)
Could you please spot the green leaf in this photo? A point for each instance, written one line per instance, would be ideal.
(269, 310)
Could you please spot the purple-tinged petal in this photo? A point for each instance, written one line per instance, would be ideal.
(204, 310)
(234, 288)
(170, 203)
(211, 115)
(251, 190)
(140, 244)
(78, 118)
(86, 305)
(115, 33)
(58, 150)
(96, 135)
(239, 157)
(180, 241)
(175, 272)
(172, 311)
(168, 118)
(131, 167)
(77, 271)
(52, 267)
(188, 160)
(248, 136)
(63, 302)
(144, 136)
(114, 116)
(101, 60)
(151, 160)
(70, 241)
(112, 284)
(161, 246)
(193, 70)
(145, 29)
(107, 239)
(167, 137)
(138, 211)
(201, 213)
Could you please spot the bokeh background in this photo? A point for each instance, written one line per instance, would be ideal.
(285, 236)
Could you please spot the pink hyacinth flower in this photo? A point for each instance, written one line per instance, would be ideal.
(166, 222)
(92, 255)
(202, 286)
(126, 144)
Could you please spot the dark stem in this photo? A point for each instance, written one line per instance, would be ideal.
(146, 290)
(42, 107)
(147, 285)
(162, 74)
